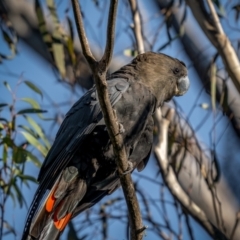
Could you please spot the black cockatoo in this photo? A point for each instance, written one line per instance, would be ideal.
(80, 168)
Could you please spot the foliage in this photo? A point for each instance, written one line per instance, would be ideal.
(22, 140)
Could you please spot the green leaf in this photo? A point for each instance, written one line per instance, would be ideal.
(19, 195)
(3, 105)
(58, 54)
(35, 106)
(38, 130)
(34, 142)
(42, 25)
(26, 178)
(31, 110)
(7, 140)
(7, 86)
(53, 12)
(34, 88)
(69, 42)
(19, 155)
(70, 48)
(57, 43)
(11, 41)
(5, 152)
(224, 99)
(32, 102)
(130, 53)
(29, 130)
(34, 159)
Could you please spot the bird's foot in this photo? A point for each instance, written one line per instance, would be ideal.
(129, 169)
(121, 128)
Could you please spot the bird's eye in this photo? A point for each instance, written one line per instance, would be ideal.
(175, 70)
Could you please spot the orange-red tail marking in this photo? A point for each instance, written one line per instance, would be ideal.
(61, 223)
(50, 202)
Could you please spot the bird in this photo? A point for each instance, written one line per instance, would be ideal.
(80, 168)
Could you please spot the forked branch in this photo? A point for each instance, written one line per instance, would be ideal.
(99, 70)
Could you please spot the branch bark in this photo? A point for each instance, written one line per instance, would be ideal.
(217, 37)
(169, 177)
(137, 26)
(195, 47)
(99, 70)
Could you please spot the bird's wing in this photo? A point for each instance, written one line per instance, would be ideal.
(81, 119)
(78, 123)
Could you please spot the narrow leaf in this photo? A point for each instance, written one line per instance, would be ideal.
(213, 72)
(58, 54)
(57, 45)
(34, 159)
(31, 110)
(7, 86)
(34, 142)
(3, 105)
(34, 88)
(38, 130)
(27, 177)
(20, 197)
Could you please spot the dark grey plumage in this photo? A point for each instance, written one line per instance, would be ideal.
(80, 168)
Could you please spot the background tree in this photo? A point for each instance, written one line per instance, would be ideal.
(201, 175)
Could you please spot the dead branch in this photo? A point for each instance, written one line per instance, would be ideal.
(213, 30)
(137, 26)
(160, 151)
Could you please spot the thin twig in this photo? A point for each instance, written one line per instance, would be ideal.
(81, 32)
(137, 26)
(99, 70)
(110, 33)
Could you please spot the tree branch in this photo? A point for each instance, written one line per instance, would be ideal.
(137, 26)
(160, 151)
(81, 33)
(195, 47)
(99, 71)
(215, 17)
(110, 34)
(218, 38)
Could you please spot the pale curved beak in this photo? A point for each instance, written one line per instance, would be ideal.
(182, 86)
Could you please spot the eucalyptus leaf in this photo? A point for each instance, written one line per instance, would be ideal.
(34, 159)
(31, 110)
(34, 88)
(37, 128)
(34, 142)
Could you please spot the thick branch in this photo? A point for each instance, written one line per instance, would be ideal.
(99, 71)
(169, 176)
(218, 39)
(194, 45)
(215, 17)
(137, 26)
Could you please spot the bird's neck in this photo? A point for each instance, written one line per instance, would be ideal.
(131, 73)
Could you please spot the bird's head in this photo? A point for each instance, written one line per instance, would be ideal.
(165, 76)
